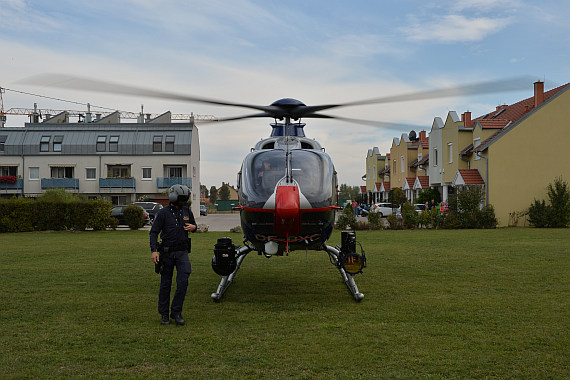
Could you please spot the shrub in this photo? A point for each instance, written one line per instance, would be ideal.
(347, 218)
(486, 217)
(410, 215)
(538, 214)
(394, 223)
(375, 220)
(134, 217)
(559, 197)
(424, 219)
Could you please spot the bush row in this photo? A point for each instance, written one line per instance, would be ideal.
(24, 214)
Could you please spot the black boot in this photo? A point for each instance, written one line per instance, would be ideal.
(178, 319)
(165, 320)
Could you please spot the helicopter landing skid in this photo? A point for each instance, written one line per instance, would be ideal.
(346, 277)
(226, 281)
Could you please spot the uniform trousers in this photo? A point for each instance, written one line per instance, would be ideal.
(180, 260)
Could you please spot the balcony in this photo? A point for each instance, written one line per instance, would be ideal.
(11, 187)
(165, 182)
(117, 184)
(60, 183)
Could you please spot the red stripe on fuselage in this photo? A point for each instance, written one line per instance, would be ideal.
(287, 215)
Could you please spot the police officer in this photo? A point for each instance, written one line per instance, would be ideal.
(173, 223)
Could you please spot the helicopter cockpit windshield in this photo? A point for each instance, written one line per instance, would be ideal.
(312, 171)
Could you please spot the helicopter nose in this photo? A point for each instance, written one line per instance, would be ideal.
(287, 215)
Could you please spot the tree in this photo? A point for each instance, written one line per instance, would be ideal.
(224, 193)
(348, 192)
(396, 196)
(213, 194)
(204, 189)
(427, 195)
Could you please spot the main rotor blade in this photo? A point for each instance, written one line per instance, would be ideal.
(84, 84)
(219, 120)
(487, 87)
(378, 124)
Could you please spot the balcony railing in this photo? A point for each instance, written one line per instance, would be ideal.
(117, 183)
(164, 182)
(60, 183)
(12, 186)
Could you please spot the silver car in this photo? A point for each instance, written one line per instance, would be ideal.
(384, 209)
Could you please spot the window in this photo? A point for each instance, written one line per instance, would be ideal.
(175, 172)
(476, 144)
(450, 145)
(394, 171)
(57, 142)
(193, 171)
(101, 143)
(157, 144)
(434, 156)
(2, 142)
(169, 144)
(146, 173)
(419, 156)
(403, 164)
(374, 172)
(119, 171)
(114, 144)
(61, 172)
(34, 173)
(9, 170)
(90, 174)
(44, 144)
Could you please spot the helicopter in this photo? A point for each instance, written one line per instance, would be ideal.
(287, 184)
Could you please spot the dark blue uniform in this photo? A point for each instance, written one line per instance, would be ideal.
(169, 222)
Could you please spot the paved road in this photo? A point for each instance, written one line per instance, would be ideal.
(219, 222)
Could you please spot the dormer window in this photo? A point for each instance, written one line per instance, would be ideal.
(101, 143)
(113, 143)
(157, 144)
(57, 143)
(169, 144)
(44, 143)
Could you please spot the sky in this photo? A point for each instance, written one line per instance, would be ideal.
(256, 52)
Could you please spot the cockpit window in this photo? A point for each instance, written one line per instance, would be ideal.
(261, 172)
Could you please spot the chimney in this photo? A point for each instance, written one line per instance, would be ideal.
(466, 119)
(538, 93)
(422, 135)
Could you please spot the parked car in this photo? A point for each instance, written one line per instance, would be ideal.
(203, 210)
(117, 212)
(150, 207)
(384, 209)
(420, 207)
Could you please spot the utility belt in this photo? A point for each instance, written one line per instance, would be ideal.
(166, 249)
(179, 246)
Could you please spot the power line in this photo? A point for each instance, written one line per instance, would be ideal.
(58, 99)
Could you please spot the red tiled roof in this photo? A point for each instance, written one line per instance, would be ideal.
(410, 181)
(471, 177)
(424, 160)
(510, 115)
(424, 181)
(378, 185)
(363, 189)
(513, 112)
(386, 185)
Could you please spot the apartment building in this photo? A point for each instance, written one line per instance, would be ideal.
(120, 162)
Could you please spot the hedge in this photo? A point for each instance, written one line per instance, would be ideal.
(25, 214)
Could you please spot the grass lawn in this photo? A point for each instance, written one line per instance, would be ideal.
(438, 304)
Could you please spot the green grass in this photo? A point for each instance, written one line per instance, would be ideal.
(438, 304)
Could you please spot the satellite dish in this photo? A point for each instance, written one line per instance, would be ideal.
(413, 136)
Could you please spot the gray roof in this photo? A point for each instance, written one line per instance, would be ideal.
(81, 138)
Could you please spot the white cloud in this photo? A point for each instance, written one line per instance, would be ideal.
(455, 28)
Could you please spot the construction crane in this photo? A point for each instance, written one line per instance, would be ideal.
(44, 113)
